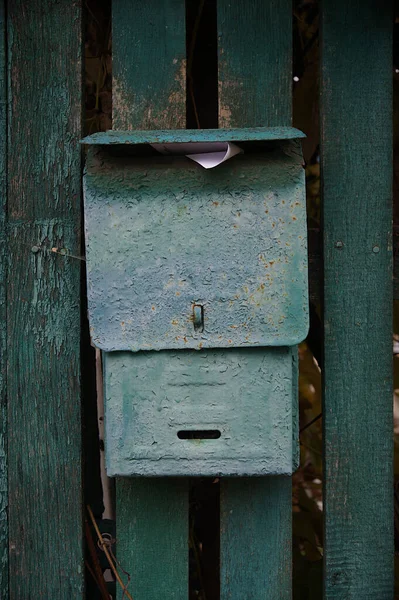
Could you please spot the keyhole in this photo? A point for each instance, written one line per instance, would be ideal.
(198, 317)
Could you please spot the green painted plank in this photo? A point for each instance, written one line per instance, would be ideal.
(154, 538)
(166, 136)
(44, 169)
(149, 48)
(255, 56)
(3, 312)
(148, 64)
(255, 91)
(256, 538)
(356, 134)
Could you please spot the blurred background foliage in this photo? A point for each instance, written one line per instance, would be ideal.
(307, 502)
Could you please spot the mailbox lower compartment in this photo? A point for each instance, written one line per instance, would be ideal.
(200, 413)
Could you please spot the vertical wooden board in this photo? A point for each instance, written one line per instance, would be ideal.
(255, 54)
(256, 538)
(3, 312)
(356, 134)
(152, 531)
(149, 64)
(149, 73)
(44, 169)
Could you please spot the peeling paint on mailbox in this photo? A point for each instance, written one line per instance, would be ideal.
(209, 268)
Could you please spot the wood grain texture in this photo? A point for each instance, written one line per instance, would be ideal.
(255, 90)
(149, 48)
(356, 135)
(255, 55)
(44, 168)
(255, 538)
(153, 544)
(149, 64)
(3, 311)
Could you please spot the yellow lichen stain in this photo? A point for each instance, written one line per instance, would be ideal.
(175, 322)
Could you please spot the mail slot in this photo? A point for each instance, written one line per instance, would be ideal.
(198, 296)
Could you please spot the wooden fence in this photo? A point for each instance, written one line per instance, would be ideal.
(41, 504)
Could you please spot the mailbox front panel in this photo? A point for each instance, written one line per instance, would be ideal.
(179, 257)
(208, 413)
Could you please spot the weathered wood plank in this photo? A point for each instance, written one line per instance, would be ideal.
(149, 49)
(152, 534)
(44, 169)
(256, 538)
(255, 56)
(3, 311)
(255, 90)
(356, 135)
(148, 64)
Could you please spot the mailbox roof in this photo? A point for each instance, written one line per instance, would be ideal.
(167, 136)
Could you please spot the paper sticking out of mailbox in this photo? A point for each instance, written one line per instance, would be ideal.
(208, 155)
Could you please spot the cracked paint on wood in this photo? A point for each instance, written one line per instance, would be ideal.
(43, 296)
(3, 312)
(149, 64)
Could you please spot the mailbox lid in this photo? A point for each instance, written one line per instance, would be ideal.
(163, 235)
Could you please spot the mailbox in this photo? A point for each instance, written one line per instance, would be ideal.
(198, 296)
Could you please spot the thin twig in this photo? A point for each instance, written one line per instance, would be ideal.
(107, 554)
(191, 59)
(304, 428)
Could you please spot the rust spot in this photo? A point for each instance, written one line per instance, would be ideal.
(229, 341)
(294, 218)
(152, 307)
(215, 203)
(175, 322)
(266, 211)
(177, 293)
(185, 340)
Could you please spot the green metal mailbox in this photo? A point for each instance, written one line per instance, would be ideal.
(198, 296)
